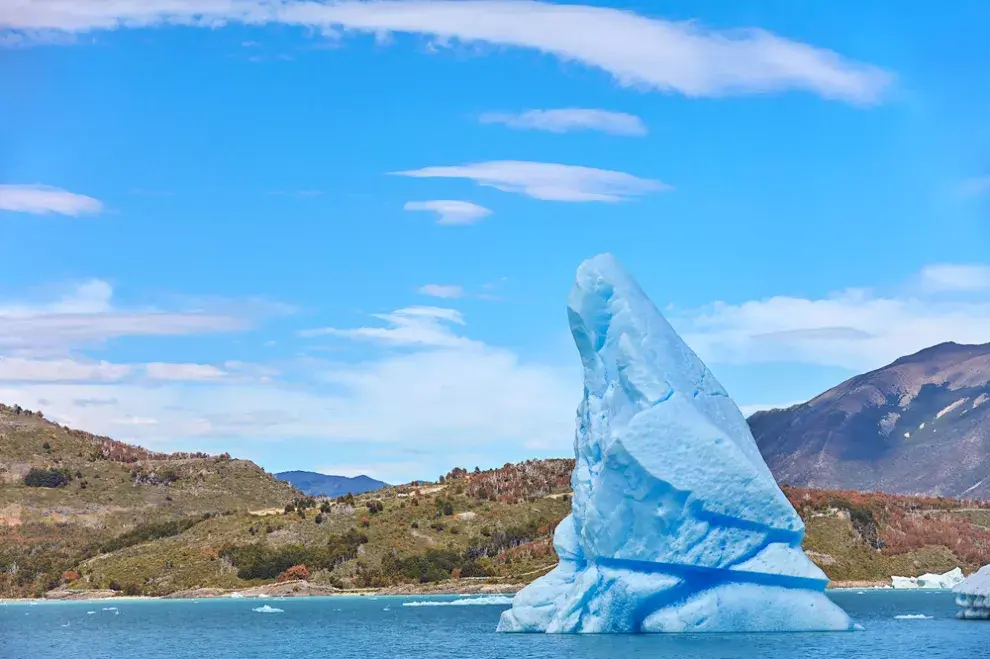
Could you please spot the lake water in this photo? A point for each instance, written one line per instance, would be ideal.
(352, 627)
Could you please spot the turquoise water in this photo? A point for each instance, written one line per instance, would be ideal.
(352, 627)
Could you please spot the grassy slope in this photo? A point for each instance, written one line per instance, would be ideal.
(113, 489)
(851, 536)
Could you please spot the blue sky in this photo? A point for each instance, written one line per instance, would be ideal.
(340, 235)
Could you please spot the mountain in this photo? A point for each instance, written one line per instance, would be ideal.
(920, 425)
(315, 484)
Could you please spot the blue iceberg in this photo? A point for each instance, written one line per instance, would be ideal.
(677, 524)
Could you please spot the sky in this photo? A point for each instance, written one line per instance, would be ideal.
(339, 236)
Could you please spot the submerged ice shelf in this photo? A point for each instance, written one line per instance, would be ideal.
(676, 524)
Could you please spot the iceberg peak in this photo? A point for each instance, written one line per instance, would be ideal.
(676, 522)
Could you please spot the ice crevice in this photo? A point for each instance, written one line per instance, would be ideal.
(676, 523)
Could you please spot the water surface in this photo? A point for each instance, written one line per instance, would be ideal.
(361, 627)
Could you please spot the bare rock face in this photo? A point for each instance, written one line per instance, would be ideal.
(920, 425)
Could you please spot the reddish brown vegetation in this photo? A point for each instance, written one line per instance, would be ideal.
(69, 576)
(901, 524)
(294, 573)
(513, 483)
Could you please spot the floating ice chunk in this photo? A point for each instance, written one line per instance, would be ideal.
(467, 601)
(913, 616)
(267, 609)
(676, 523)
(89, 613)
(973, 595)
(929, 581)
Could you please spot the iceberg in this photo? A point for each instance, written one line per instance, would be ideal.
(676, 524)
(973, 595)
(938, 581)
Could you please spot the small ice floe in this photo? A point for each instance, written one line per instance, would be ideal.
(467, 601)
(267, 609)
(387, 608)
(913, 616)
(67, 623)
(109, 608)
(89, 613)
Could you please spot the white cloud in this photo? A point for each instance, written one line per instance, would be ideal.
(656, 54)
(412, 326)
(84, 315)
(183, 372)
(444, 392)
(17, 369)
(956, 277)
(750, 410)
(570, 119)
(443, 291)
(44, 199)
(856, 329)
(450, 211)
(547, 180)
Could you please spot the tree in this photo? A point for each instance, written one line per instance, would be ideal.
(47, 477)
(300, 572)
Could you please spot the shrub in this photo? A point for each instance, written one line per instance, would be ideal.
(319, 518)
(47, 477)
(293, 573)
(132, 590)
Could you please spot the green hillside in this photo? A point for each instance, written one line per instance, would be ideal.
(136, 522)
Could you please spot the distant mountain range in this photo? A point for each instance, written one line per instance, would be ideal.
(315, 484)
(920, 425)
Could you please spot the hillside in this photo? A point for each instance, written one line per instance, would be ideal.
(102, 490)
(137, 522)
(316, 484)
(920, 425)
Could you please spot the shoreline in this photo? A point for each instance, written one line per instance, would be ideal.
(306, 589)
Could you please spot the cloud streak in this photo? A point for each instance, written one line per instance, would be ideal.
(569, 120)
(450, 211)
(442, 291)
(857, 329)
(85, 316)
(648, 53)
(46, 200)
(409, 327)
(547, 181)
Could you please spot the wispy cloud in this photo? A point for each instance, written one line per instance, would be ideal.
(975, 186)
(956, 277)
(857, 329)
(85, 315)
(183, 372)
(17, 369)
(450, 211)
(567, 120)
(443, 291)
(651, 53)
(45, 199)
(411, 326)
(547, 181)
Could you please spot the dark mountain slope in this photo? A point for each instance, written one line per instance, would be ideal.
(315, 484)
(920, 425)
